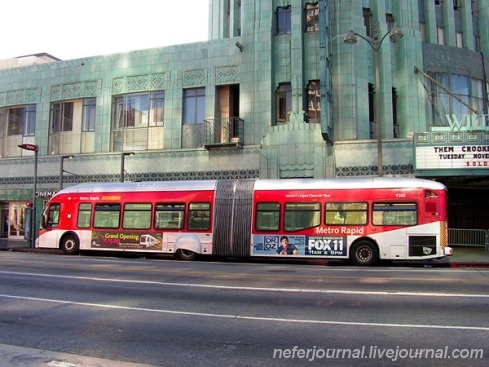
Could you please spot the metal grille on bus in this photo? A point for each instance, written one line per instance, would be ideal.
(232, 217)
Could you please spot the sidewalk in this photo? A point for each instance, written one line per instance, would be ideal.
(15, 356)
(469, 257)
(462, 256)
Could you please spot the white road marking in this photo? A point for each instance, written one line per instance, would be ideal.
(252, 318)
(257, 289)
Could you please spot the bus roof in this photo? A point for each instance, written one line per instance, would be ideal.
(261, 184)
(349, 183)
(197, 185)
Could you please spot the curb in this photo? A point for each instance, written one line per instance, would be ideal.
(36, 250)
(469, 265)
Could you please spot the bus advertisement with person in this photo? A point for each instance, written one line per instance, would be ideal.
(359, 219)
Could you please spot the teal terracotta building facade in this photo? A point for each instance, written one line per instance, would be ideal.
(275, 92)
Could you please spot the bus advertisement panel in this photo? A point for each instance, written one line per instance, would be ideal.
(270, 245)
(126, 241)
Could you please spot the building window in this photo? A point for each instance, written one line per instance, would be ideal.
(314, 101)
(139, 110)
(88, 114)
(439, 100)
(72, 126)
(61, 117)
(29, 121)
(397, 128)
(463, 91)
(460, 85)
(284, 20)
(477, 95)
(459, 39)
(312, 17)
(284, 102)
(156, 108)
(422, 31)
(367, 21)
(19, 120)
(138, 121)
(389, 19)
(193, 106)
(371, 111)
(15, 124)
(441, 35)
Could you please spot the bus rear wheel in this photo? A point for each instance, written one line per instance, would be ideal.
(186, 255)
(364, 253)
(70, 245)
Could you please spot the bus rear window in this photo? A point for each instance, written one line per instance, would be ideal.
(107, 215)
(394, 214)
(301, 215)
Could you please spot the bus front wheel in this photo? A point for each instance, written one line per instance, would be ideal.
(186, 255)
(364, 253)
(69, 245)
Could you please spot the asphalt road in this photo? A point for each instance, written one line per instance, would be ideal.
(102, 311)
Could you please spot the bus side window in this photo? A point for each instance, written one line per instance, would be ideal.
(301, 216)
(169, 216)
(199, 216)
(53, 215)
(84, 214)
(267, 217)
(394, 214)
(346, 213)
(107, 216)
(137, 216)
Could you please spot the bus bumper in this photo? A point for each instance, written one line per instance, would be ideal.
(447, 251)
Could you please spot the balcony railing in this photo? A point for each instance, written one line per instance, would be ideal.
(224, 132)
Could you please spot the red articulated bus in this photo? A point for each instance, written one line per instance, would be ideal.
(359, 219)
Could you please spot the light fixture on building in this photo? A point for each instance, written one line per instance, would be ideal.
(123, 158)
(61, 169)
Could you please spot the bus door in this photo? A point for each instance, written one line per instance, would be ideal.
(232, 217)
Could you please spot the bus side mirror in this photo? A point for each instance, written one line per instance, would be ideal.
(43, 221)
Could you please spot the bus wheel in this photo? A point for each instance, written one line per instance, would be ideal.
(187, 255)
(69, 245)
(364, 253)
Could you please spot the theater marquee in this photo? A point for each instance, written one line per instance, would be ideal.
(451, 153)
